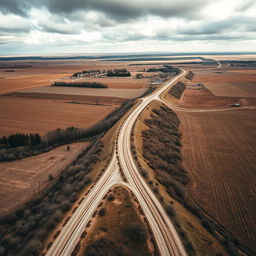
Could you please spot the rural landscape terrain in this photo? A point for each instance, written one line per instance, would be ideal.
(128, 155)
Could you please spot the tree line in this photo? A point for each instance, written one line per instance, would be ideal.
(20, 139)
(119, 72)
(80, 84)
(165, 69)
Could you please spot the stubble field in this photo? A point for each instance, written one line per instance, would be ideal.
(218, 148)
(219, 153)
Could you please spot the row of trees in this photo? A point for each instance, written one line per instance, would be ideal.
(19, 139)
(61, 136)
(165, 69)
(80, 84)
(119, 72)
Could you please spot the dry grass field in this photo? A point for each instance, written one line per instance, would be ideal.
(32, 115)
(21, 180)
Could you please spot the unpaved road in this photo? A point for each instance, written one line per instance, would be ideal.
(166, 237)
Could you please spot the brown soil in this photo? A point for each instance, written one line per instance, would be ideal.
(225, 82)
(203, 98)
(120, 214)
(219, 154)
(106, 92)
(30, 115)
(21, 180)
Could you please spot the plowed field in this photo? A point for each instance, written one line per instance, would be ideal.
(219, 153)
(31, 115)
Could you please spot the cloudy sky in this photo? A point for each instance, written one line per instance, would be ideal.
(112, 26)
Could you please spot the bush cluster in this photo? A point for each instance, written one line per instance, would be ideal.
(177, 90)
(104, 247)
(161, 146)
(190, 75)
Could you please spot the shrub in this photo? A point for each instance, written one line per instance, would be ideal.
(170, 211)
(111, 197)
(137, 232)
(102, 211)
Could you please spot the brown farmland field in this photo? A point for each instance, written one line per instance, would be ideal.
(40, 73)
(204, 98)
(219, 154)
(228, 82)
(105, 92)
(23, 179)
(31, 115)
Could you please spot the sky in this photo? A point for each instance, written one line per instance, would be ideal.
(120, 26)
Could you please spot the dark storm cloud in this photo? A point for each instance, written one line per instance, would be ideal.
(117, 10)
(15, 6)
(232, 24)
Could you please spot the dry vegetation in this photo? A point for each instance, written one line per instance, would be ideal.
(177, 90)
(117, 228)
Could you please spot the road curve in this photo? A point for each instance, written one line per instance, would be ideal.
(167, 239)
(70, 234)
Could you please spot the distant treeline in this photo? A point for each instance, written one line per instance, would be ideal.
(19, 139)
(165, 69)
(86, 72)
(239, 63)
(81, 84)
(118, 72)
